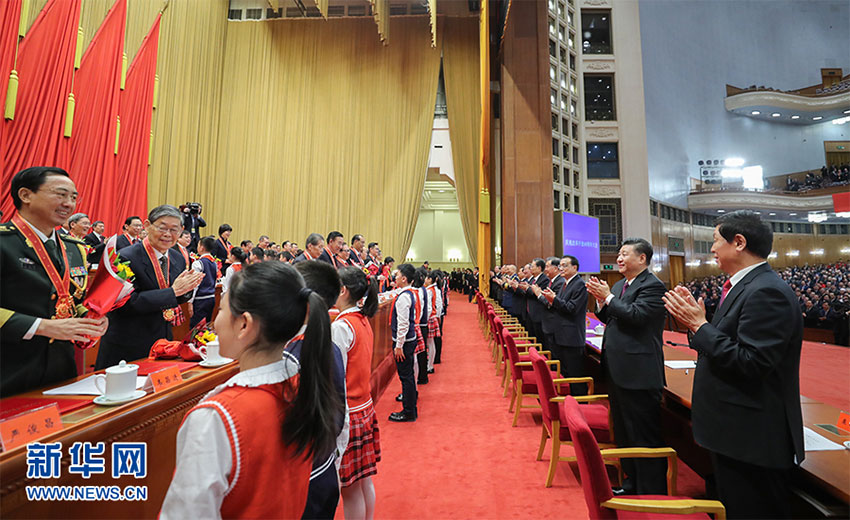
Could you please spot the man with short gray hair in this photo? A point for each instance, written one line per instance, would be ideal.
(313, 247)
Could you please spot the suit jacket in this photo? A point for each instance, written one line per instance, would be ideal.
(121, 242)
(219, 251)
(549, 316)
(536, 310)
(25, 295)
(570, 307)
(631, 347)
(92, 240)
(746, 397)
(134, 327)
(326, 258)
(301, 258)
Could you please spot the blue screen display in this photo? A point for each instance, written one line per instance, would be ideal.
(581, 240)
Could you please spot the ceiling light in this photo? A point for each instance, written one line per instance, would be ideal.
(841, 120)
(793, 253)
(721, 211)
(817, 118)
(775, 114)
(845, 250)
(693, 263)
(771, 214)
(712, 262)
(442, 191)
(755, 112)
(758, 212)
(843, 214)
(847, 111)
(816, 252)
(734, 162)
(795, 117)
(773, 255)
(817, 217)
(792, 214)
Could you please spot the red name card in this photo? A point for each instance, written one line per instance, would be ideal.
(29, 426)
(166, 378)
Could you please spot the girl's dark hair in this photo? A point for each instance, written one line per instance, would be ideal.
(272, 293)
(358, 285)
(419, 278)
(238, 253)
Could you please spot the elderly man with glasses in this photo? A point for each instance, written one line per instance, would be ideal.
(162, 283)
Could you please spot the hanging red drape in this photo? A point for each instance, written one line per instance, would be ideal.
(10, 15)
(97, 88)
(136, 112)
(45, 71)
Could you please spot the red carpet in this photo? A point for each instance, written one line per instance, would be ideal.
(462, 458)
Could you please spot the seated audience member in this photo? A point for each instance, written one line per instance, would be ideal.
(182, 247)
(332, 248)
(203, 299)
(246, 449)
(258, 255)
(352, 333)
(263, 242)
(236, 259)
(286, 253)
(133, 227)
(315, 245)
(161, 284)
(323, 495)
(271, 255)
(343, 257)
(246, 245)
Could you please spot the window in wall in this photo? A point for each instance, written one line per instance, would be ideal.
(566, 177)
(563, 80)
(576, 180)
(553, 97)
(573, 85)
(596, 32)
(572, 41)
(553, 73)
(575, 131)
(565, 151)
(610, 230)
(563, 102)
(562, 33)
(563, 56)
(570, 19)
(551, 5)
(572, 62)
(599, 97)
(575, 155)
(653, 208)
(576, 204)
(557, 199)
(554, 122)
(562, 9)
(602, 161)
(566, 202)
(565, 127)
(574, 108)
(556, 173)
(555, 147)
(253, 14)
(553, 49)
(552, 27)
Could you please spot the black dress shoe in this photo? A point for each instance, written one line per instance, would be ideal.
(401, 417)
(436, 361)
(422, 382)
(430, 370)
(399, 397)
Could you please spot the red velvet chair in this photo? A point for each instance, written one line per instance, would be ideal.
(521, 338)
(601, 503)
(554, 419)
(523, 382)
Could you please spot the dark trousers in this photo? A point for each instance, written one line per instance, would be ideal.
(572, 363)
(438, 344)
(422, 359)
(322, 495)
(202, 309)
(750, 491)
(537, 331)
(636, 417)
(405, 375)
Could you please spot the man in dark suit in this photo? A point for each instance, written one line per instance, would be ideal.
(568, 324)
(133, 227)
(145, 318)
(193, 222)
(633, 362)
(535, 308)
(331, 251)
(556, 281)
(313, 248)
(37, 324)
(746, 396)
(95, 238)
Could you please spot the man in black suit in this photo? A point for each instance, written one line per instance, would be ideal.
(330, 253)
(633, 362)
(556, 281)
(569, 307)
(133, 227)
(193, 222)
(95, 238)
(746, 396)
(134, 327)
(313, 248)
(535, 308)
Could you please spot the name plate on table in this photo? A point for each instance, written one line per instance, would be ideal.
(29, 426)
(166, 378)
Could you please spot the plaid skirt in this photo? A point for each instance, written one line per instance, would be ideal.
(420, 341)
(434, 327)
(364, 447)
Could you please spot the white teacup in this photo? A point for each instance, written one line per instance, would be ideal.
(119, 382)
(599, 329)
(210, 352)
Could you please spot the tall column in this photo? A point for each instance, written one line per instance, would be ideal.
(527, 200)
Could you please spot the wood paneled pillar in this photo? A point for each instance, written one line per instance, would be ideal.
(527, 202)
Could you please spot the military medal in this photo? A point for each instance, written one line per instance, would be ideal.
(64, 303)
(172, 315)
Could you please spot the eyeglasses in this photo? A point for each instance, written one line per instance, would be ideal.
(162, 230)
(64, 194)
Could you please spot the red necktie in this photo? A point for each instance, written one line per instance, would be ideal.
(726, 287)
(625, 286)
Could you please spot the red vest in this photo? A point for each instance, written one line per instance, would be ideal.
(266, 480)
(358, 374)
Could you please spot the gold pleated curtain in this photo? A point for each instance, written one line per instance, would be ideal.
(324, 128)
(461, 75)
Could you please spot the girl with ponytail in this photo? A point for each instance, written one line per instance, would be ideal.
(247, 448)
(352, 333)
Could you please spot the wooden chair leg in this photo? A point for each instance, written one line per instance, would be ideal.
(543, 436)
(556, 450)
(513, 399)
(518, 392)
(506, 381)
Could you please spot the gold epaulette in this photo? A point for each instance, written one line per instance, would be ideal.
(8, 227)
(73, 240)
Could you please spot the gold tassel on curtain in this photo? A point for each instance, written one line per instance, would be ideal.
(78, 55)
(123, 71)
(11, 95)
(381, 10)
(432, 10)
(117, 133)
(69, 115)
(22, 25)
(155, 91)
(323, 8)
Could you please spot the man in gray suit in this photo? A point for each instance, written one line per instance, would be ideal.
(633, 362)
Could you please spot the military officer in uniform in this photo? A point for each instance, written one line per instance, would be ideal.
(42, 282)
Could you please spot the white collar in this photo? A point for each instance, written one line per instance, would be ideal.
(571, 279)
(353, 308)
(41, 236)
(270, 374)
(737, 277)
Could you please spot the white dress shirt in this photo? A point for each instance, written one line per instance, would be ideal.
(402, 309)
(737, 277)
(611, 296)
(438, 300)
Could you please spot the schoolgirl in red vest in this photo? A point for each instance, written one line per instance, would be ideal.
(352, 333)
(236, 258)
(246, 450)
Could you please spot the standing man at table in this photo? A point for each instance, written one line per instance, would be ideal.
(569, 305)
(161, 284)
(42, 279)
(746, 396)
(633, 362)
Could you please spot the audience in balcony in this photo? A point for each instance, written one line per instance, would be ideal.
(823, 292)
(830, 176)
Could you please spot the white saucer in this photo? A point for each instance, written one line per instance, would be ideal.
(103, 401)
(212, 364)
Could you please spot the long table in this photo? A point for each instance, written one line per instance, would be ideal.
(823, 479)
(153, 419)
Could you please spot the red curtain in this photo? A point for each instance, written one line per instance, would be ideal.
(97, 88)
(46, 69)
(136, 111)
